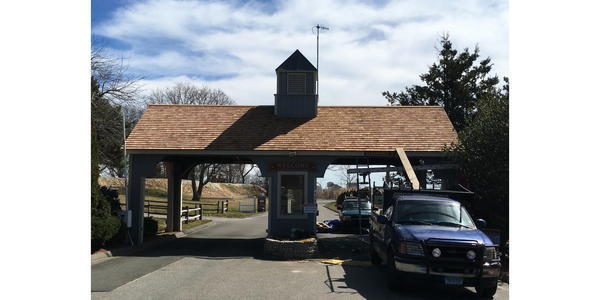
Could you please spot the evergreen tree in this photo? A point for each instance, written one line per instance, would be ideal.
(96, 201)
(103, 225)
(454, 82)
(107, 119)
(482, 155)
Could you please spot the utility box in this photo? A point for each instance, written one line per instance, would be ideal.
(125, 217)
(261, 203)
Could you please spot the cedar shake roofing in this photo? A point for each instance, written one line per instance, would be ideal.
(336, 128)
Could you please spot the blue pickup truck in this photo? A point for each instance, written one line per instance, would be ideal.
(433, 240)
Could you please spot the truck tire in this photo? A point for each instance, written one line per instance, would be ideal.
(375, 259)
(487, 292)
(393, 280)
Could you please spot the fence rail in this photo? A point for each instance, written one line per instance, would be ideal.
(186, 213)
(221, 206)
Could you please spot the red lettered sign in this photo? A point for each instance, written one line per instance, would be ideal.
(292, 166)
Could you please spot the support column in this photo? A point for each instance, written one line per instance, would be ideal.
(273, 200)
(174, 196)
(141, 166)
(422, 177)
(137, 189)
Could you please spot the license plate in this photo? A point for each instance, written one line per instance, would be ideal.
(454, 280)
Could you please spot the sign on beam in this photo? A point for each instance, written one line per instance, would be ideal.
(292, 166)
(377, 153)
(311, 208)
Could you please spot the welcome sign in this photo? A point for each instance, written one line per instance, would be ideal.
(292, 166)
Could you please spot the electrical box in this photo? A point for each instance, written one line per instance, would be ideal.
(125, 217)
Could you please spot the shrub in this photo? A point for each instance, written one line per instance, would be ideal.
(104, 229)
(119, 237)
(150, 226)
(112, 196)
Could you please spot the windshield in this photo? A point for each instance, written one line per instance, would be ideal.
(432, 212)
(353, 205)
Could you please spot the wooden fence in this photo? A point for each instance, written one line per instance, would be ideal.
(160, 207)
(186, 213)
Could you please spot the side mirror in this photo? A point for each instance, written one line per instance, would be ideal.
(382, 220)
(480, 223)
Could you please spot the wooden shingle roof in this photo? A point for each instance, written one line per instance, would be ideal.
(336, 128)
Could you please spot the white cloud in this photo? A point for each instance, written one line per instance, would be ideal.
(370, 48)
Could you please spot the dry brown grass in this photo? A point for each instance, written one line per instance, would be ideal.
(210, 190)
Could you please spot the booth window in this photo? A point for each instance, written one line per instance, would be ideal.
(292, 194)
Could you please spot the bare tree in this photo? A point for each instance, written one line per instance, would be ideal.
(114, 94)
(116, 83)
(245, 170)
(346, 180)
(257, 179)
(187, 93)
(203, 174)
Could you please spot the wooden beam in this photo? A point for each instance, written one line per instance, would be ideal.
(397, 169)
(408, 168)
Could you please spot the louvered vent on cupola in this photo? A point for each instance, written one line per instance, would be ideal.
(296, 88)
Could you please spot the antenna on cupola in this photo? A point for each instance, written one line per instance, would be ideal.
(319, 28)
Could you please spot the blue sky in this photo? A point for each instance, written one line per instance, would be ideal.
(370, 47)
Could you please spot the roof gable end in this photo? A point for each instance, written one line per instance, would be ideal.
(296, 62)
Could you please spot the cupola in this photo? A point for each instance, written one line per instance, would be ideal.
(296, 88)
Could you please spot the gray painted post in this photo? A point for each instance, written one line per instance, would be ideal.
(141, 167)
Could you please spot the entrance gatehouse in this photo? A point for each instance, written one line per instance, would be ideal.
(292, 142)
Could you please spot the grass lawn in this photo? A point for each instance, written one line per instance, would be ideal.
(331, 205)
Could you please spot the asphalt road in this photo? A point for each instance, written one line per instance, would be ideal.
(223, 261)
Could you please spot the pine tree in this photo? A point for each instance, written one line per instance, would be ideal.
(482, 155)
(103, 225)
(454, 82)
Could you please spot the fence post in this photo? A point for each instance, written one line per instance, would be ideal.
(187, 214)
(148, 206)
(254, 203)
(225, 209)
(201, 212)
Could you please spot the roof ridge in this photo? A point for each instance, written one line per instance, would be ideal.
(209, 105)
(322, 106)
(381, 106)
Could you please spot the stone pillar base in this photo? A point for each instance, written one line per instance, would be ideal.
(301, 249)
